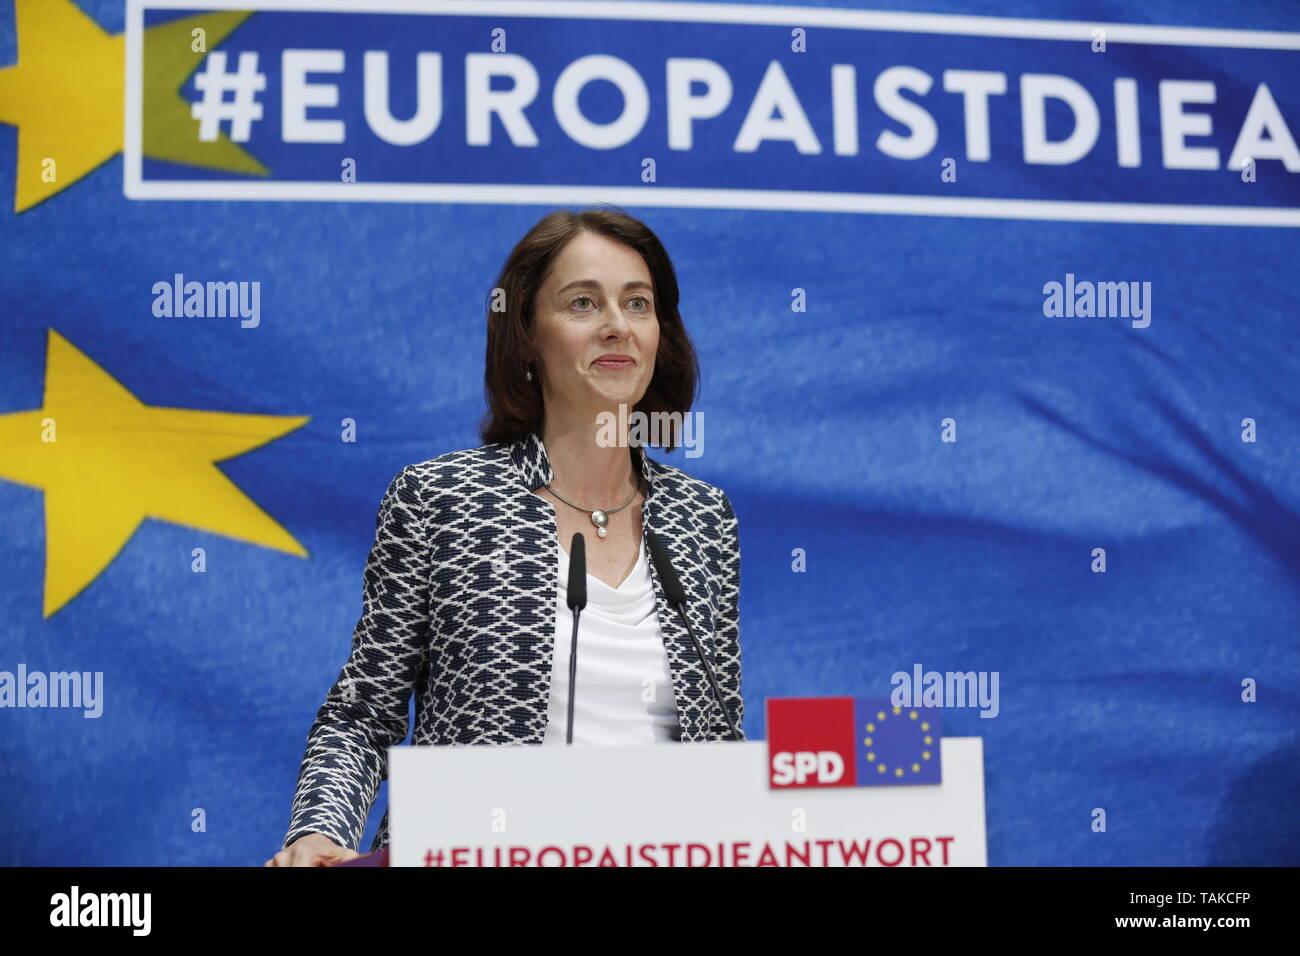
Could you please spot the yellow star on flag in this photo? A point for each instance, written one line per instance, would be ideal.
(106, 461)
(65, 95)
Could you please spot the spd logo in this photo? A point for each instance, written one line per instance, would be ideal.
(851, 742)
(825, 767)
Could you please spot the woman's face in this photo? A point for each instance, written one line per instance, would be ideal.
(597, 301)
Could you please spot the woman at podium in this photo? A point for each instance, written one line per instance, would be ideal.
(465, 600)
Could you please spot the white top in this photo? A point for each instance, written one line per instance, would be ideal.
(625, 687)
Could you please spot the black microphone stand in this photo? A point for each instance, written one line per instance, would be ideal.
(577, 600)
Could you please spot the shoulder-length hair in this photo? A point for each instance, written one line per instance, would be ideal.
(515, 406)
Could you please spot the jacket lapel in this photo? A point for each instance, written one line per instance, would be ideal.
(674, 525)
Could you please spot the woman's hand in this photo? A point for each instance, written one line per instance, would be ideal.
(314, 849)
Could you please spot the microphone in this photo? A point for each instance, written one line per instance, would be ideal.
(676, 596)
(577, 600)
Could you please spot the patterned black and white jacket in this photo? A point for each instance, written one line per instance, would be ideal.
(459, 606)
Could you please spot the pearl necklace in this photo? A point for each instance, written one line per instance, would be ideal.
(598, 517)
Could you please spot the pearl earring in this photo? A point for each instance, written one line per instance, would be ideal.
(528, 374)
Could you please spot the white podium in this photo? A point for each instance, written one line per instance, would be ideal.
(670, 804)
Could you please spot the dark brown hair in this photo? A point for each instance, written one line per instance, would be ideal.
(515, 405)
